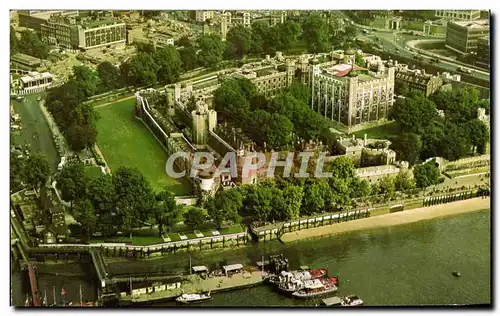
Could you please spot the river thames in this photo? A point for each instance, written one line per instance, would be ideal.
(402, 265)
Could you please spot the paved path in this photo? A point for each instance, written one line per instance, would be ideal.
(114, 101)
(98, 151)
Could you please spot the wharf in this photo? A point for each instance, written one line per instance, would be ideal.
(335, 300)
(195, 284)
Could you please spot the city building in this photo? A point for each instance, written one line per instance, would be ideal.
(462, 36)
(483, 52)
(203, 15)
(467, 15)
(34, 19)
(85, 34)
(351, 95)
(435, 28)
(244, 18)
(33, 82)
(416, 80)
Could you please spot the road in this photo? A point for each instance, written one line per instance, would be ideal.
(396, 42)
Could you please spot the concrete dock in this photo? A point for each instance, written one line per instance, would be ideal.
(334, 300)
(195, 284)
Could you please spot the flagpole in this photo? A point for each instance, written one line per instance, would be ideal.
(54, 292)
(81, 302)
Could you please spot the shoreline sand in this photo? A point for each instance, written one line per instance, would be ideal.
(391, 219)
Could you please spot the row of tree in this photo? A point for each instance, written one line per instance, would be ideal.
(290, 198)
(28, 169)
(425, 133)
(276, 122)
(29, 44)
(76, 120)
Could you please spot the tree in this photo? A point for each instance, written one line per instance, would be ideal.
(317, 195)
(407, 147)
(184, 42)
(146, 48)
(225, 206)
(165, 209)
(359, 60)
(292, 196)
(455, 142)
(84, 213)
(426, 174)
(386, 186)
(279, 132)
(315, 33)
(80, 137)
(17, 162)
(211, 49)
(101, 192)
(259, 34)
(230, 102)
(478, 135)
(31, 44)
(72, 182)
(110, 76)
(169, 64)
(289, 32)
(86, 80)
(134, 196)
(14, 42)
(360, 188)
(195, 217)
(239, 41)
(404, 181)
(189, 58)
(142, 70)
(36, 170)
(414, 113)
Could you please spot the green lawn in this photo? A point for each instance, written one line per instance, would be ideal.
(93, 171)
(231, 230)
(381, 131)
(125, 141)
(136, 240)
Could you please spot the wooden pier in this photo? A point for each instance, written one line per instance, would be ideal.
(331, 301)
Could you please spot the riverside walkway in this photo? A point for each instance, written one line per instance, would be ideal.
(195, 284)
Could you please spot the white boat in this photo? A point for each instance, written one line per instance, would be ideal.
(193, 298)
(352, 300)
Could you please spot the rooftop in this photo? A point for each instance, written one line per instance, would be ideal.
(473, 24)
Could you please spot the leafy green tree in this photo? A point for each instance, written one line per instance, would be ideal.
(110, 76)
(315, 33)
(259, 34)
(230, 101)
(293, 196)
(426, 174)
(211, 50)
(134, 196)
(455, 142)
(101, 192)
(414, 113)
(84, 213)
(386, 186)
(163, 209)
(86, 79)
(189, 58)
(80, 137)
(289, 33)
(195, 217)
(317, 196)
(72, 182)
(142, 70)
(279, 132)
(36, 170)
(17, 162)
(225, 206)
(169, 62)
(404, 181)
(239, 41)
(478, 135)
(146, 48)
(408, 147)
(14, 42)
(184, 42)
(360, 188)
(31, 44)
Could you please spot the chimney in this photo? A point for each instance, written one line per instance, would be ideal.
(364, 144)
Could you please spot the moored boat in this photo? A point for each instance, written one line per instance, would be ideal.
(316, 287)
(351, 300)
(293, 281)
(193, 298)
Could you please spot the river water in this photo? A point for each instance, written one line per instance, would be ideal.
(409, 264)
